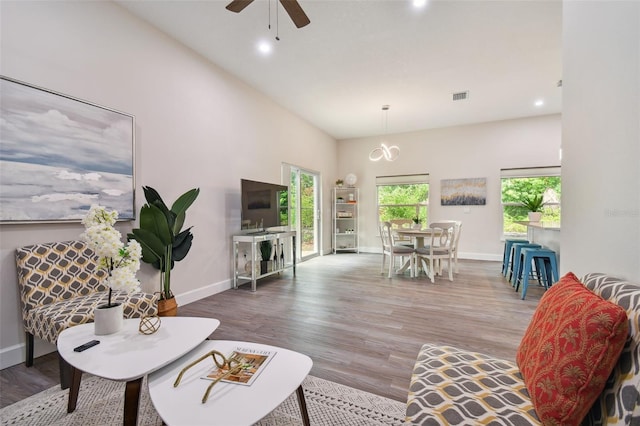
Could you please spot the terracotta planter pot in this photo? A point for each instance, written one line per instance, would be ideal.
(167, 307)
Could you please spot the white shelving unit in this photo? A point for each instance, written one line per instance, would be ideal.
(345, 219)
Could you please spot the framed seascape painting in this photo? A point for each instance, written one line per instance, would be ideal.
(463, 192)
(59, 155)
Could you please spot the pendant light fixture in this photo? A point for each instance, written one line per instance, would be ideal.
(389, 153)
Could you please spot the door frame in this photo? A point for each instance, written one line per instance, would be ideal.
(287, 170)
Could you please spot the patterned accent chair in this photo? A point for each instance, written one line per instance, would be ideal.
(451, 386)
(60, 286)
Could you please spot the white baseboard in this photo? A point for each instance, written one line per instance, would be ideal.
(481, 256)
(202, 292)
(16, 354)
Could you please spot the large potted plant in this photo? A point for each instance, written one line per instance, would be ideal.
(533, 204)
(163, 240)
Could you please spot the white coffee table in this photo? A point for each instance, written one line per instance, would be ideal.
(128, 355)
(229, 404)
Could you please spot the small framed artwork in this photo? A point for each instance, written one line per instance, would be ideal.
(59, 155)
(463, 192)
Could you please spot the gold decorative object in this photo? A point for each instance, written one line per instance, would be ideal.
(149, 324)
(221, 361)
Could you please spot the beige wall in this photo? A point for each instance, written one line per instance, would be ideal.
(601, 138)
(473, 151)
(195, 126)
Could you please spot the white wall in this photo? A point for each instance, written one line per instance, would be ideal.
(196, 126)
(473, 151)
(601, 138)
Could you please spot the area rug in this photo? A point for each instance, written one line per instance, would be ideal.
(100, 403)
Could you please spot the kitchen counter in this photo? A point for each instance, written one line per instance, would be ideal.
(545, 233)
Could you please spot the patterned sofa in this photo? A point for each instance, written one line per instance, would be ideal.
(60, 286)
(454, 386)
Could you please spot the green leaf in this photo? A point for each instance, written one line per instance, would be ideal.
(152, 247)
(180, 250)
(154, 221)
(152, 196)
(183, 202)
(181, 236)
(179, 221)
(533, 203)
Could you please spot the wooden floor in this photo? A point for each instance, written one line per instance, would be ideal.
(360, 328)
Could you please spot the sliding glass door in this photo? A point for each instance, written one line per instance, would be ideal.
(305, 209)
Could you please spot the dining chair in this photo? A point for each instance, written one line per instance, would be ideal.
(393, 250)
(441, 248)
(401, 224)
(456, 238)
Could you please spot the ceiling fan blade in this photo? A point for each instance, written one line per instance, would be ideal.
(296, 13)
(238, 5)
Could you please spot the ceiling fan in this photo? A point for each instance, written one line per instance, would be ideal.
(292, 7)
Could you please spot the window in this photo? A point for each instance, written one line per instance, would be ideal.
(403, 197)
(519, 183)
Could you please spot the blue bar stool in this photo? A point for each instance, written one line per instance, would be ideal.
(545, 260)
(515, 260)
(506, 256)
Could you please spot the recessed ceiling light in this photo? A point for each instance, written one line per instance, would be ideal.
(539, 103)
(264, 47)
(419, 3)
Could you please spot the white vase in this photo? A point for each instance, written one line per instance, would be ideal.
(535, 216)
(108, 320)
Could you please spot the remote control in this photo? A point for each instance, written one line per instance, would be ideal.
(86, 346)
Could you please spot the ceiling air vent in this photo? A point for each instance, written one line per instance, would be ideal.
(461, 96)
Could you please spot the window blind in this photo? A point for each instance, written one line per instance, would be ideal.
(402, 179)
(530, 172)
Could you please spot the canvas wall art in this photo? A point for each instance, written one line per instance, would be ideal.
(59, 155)
(463, 192)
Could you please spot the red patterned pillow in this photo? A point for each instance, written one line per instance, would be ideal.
(569, 349)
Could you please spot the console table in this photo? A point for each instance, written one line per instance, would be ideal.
(253, 239)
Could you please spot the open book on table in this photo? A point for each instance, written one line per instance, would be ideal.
(253, 362)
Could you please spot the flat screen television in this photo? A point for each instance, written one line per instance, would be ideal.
(265, 206)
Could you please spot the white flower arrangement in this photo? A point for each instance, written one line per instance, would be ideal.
(119, 260)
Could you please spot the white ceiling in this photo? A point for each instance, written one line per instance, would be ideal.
(356, 56)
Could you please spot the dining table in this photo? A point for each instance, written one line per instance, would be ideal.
(417, 236)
